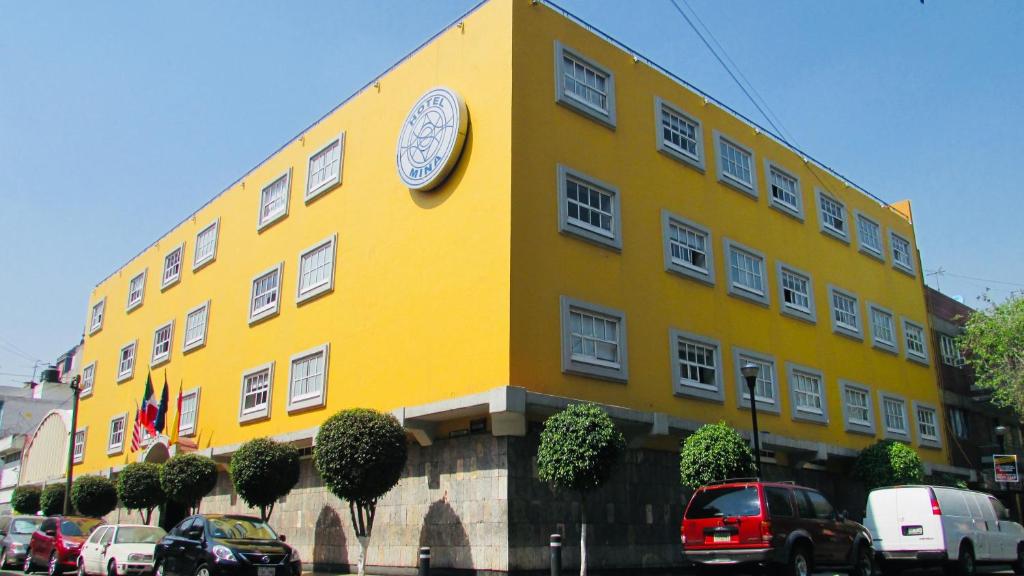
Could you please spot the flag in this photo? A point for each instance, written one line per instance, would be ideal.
(177, 419)
(149, 407)
(137, 430)
(161, 412)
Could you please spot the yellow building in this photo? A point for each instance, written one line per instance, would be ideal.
(606, 233)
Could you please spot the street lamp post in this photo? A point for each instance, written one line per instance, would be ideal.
(75, 390)
(749, 371)
(1001, 438)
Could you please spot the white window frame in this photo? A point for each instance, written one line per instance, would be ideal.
(571, 364)
(200, 261)
(682, 267)
(270, 311)
(855, 331)
(794, 210)
(141, 277)
(604, 116)
(909, 326)
(308, 401)
(808, 314)
(887, 431)
(263, 222)
(734, 182)
(187, 346)
(599, 236)
(741, 356)
(876, 252)
(88, 379)
(313, 192)
(327, 286)
(828, 229)
(801, 413)
(905, 267)
(96, 315)
(927, 440)
(127, 375)
(950, 351)
(850, 423)
(78, 448)
(683, 156)
(162, 358)
(259, 412)
(876, 339)
(168, 281)
(112, 446)
(762, 296)
(186, 428)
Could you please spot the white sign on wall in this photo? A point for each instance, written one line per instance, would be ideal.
(431, 139)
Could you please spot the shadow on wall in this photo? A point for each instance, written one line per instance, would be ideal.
(444, 533)
(329, 550)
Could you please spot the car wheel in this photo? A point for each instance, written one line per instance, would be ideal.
(81, 567)
(53, 567)
(889, 569)
(4, 561)
(203, 570)
(799, 562)
(158, 570)
(863, 560)
(112, 567)
(1018, 564)
(964, 564)
(27, 566)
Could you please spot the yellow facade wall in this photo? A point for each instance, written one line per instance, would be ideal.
(419, 310)
(547, 264)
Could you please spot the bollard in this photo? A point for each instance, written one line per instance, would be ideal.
(424, 561)
(556, 555)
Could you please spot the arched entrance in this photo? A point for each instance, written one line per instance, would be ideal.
(170, 512)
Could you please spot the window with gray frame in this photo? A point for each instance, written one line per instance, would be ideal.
(697, 366)
(807, 394)
(688, 248)
(796, 293)
(845, 312)
(588, 209)
(680, 136)
(584, 86)
(735, 165)
(784, 190)
(858, 415)
(832, 216)
(593, 340)
(883, 328)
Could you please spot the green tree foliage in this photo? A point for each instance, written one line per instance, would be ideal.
(994, 343)
(579, 449)
(186, 478)
(360, 454)
(94, 496)
(888, 463)
(263, 471)
(25, 499)
(51, 500)
(714, 452)
(138, 488)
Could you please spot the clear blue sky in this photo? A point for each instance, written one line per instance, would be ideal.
(118, 119)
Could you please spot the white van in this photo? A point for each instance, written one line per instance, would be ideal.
(913, 526)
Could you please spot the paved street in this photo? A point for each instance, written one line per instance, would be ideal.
(569, 573)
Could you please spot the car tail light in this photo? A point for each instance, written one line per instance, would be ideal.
(936, 510)
(682, 538)
(766, 532)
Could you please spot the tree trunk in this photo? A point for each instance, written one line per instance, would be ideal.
(583, 538)
(363, 542)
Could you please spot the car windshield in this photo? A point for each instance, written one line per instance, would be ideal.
(78, 526)
(718, 502)
(241, 529)
(25, 525)
(140, 534)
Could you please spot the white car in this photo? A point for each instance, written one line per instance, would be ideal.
(119, 550)
(912, 526)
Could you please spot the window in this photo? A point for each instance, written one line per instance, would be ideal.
(735, 165)
(172, 267)
(594, 340)
(765, 389)
(588, 208)
(913, 335)
(895, 411)
(687, 248)
(96, 317)
(795, 293)
(857, 408)
(274, 200)
(883, 331)
(784, 190)
(869, 236)
(206, 245)
(256, 388)
(779, 503)
(950, 351)
(679, 135)
(807, 394)
(698, 364)
(832, 213)
(136, 291)
(902, 259)
(584, 86)
(958, 423)
(264, 301)
(126, 362)
(195, 327)
(746, 273)
(308, 379)
(78, 453)
(823, 510)
(325, 168)
(189, 412)
(162, 343)
(927, 425)
(316, 270)
(845, 312)
(88, 378)
(115, 440)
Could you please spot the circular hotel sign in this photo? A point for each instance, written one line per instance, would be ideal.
(431, 139)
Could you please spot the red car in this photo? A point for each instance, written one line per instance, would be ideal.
(57, 542)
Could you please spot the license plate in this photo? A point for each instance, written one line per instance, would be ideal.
(265, 571)
(913, 530)
(718, 538)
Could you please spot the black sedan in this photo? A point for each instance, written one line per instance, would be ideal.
(225, 545)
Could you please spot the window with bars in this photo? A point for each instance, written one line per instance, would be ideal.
(172, 267)
(895, 415)
(274, 200)
(951, 354)
(914, 340)
(78, 452)
(126, 363)
(316, 270)
(882, 329)
(115, 442)
(833, 215)
(136, 290)
(927, 424)
(901, 255)
(845, 312)
(189, 412)
(256, 393)
(88, 378)
(807, 392)
(858, 405)
(195, 326)
(206, 245)
(785, 189)
(869, 234)
(308, 379)
(796, 290)
(264, 300)
(764, 389)
(162, 343)
(746, 270)
(96, 317)
(594, 338)
(736, 163)
(324, 168)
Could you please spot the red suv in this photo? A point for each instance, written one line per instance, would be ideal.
(774, 525)
(56, 543)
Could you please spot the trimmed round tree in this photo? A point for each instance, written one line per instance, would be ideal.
(51, 500)
(888, 463)
(186, 478)
(714, 452)
(94, 496)
(25, 499)
(579, 448)
(263, 471)
(138, 488)
(360, 454)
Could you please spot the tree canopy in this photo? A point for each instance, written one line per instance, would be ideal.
(993, 340)
(186, 478)
(138, 487)
(579, 448)
(25, 499)
(888, 463)
(94, 496)
(263, 471)
(51, 500)
(714, 452)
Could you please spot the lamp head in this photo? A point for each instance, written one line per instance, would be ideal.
(750, 370)
(1001, 430)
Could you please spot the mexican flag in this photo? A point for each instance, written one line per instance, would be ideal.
(150, 407)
